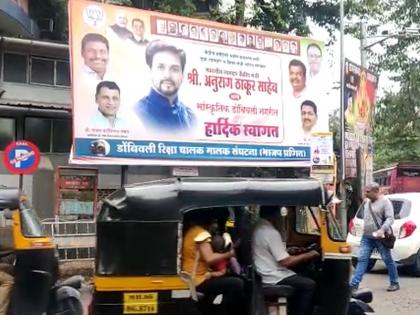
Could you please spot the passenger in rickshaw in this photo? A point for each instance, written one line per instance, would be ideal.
(273, 262)
(198, 258)
(6, 279)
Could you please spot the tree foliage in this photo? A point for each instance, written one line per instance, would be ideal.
(281, 16)
(397, 130)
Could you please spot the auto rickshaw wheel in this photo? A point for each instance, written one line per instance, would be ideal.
(370, 266)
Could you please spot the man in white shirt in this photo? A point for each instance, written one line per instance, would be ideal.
(95, 53)
(272, 261)
(314, 55)
(309, 118)
(293, 99)
(108, 100)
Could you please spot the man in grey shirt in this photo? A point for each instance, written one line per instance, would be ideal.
(272, 261)
(381, 207)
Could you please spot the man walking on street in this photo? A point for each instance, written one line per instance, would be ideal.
(377, 208)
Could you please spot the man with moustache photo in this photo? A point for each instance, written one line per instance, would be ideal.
(295, 96)
(161, 111)
(309, 118)
(95, 54)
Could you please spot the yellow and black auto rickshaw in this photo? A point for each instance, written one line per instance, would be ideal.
(140, 232)
(31, 255)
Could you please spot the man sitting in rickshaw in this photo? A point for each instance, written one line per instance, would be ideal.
(273, 262)
(198, 258)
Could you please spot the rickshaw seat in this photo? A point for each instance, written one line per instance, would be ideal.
(277, 290)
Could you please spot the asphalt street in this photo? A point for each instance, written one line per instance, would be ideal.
(406, 301)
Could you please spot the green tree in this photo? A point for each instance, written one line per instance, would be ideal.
(397, 128)
(281, 16)
(397, 131)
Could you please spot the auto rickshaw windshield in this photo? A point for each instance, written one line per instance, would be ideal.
(31, 225)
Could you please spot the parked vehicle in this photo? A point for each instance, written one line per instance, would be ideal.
(36, 290)
(407, 220)
(398, 178)
(140, 232)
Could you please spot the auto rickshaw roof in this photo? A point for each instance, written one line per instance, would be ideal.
(9, 198)
(168, 199)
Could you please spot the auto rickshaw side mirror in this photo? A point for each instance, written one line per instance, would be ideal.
(8, 214)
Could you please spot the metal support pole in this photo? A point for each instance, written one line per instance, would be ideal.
(343, 218)
(124, 174)
(363, 44)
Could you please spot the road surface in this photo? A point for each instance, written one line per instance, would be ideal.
(406, 301)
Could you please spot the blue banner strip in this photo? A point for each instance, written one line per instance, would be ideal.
(170, 150)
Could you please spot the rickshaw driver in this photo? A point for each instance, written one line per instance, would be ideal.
(272, 261)
(198, 256)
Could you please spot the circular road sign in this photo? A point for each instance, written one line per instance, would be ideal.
(21, 157)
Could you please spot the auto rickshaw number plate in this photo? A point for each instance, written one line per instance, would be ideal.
(140, 303)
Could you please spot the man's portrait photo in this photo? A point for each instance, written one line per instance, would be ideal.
(314, 55)
(172, 28)
(297, 77)
(277, 45)
(183, 30)
(95, 54)
(204, 33)
(268, 44)
(107, 98)
(194, 32)
(285, 46)
(213, 35)
(241, 40)
(309, 118)
(137, 26)
(161, 111)
(250, 42)
(232, 38)
(293, 48)
(260, 42)
(119, 28)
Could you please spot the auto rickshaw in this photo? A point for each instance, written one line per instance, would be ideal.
(32, 253)
(139, 241)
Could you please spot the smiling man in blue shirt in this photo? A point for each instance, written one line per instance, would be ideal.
(161, 111)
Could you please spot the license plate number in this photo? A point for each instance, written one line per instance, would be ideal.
(140, 303)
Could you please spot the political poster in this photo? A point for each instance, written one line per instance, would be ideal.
(360, 99)
(158, 89)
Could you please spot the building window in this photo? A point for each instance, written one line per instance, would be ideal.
(50, 135)
(62, 71)
(38, 131)
(46, 71)
(61, 138)
(15, 68)
(7, 132)
(42, 71)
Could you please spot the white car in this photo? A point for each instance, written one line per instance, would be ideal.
(406, 228)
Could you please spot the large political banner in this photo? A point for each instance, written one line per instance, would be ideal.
(152, 88)
(360, 98)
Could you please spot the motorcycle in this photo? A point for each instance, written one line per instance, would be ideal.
(359, 303)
